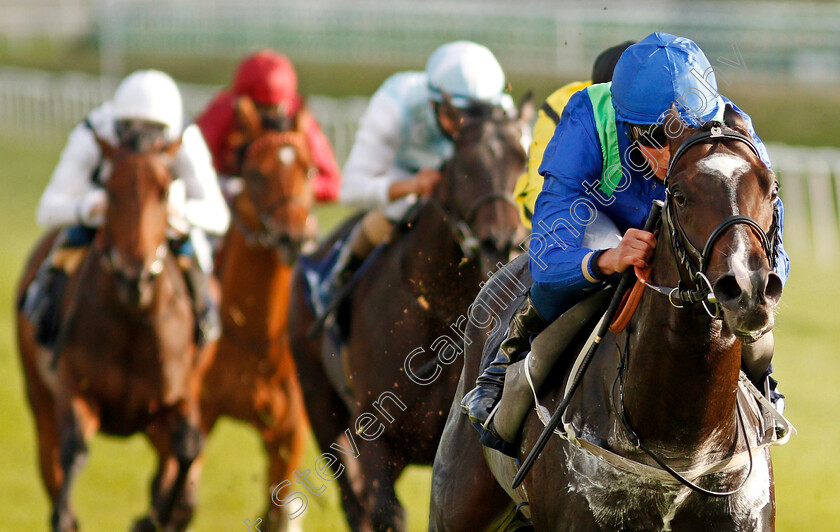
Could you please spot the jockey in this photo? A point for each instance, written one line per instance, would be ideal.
(146, 112)
(268, 80)
(404, 137)
(619, 122)
(530, 183)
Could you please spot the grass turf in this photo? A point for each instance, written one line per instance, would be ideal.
(113, 487)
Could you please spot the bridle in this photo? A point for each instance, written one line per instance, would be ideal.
(695, 262)
(459, 219)
(266, 235)
(688, 257)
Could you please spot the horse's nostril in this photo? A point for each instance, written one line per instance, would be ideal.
(773, 289)
(727, 289)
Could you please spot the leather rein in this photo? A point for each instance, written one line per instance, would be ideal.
(688, 257)
(699, 290)
(267, 237)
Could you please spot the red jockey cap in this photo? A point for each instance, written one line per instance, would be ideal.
(269, 78)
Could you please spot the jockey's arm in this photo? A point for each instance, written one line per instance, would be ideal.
(71, 197)
(205, 207)
(370, 170)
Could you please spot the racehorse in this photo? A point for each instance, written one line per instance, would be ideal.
(253, 376)
(661, 394)
(125, 360)
(411, 291)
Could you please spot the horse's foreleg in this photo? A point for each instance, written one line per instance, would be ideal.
(77, 424)
(284, 450)
(381, 466)
(465, 495)
(178, 442)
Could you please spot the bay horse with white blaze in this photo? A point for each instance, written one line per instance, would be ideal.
(125, 360)
(253, 376)
(661, 394)
(407, 299)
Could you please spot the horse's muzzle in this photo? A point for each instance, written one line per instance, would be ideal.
(748, 298)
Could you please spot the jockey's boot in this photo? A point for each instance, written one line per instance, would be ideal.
(525, 323)
(346, 265)
(372, 230)
(755, 361)
(43, 302)
(208, 324)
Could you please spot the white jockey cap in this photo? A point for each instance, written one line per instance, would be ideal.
(467, 72)
(150, 95)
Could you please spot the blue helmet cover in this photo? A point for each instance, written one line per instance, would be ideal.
(662, 69)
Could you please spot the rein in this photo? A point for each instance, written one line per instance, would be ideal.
(265, 236)
(679, 296)
(460, 220)
(688, 257)
(637, 441)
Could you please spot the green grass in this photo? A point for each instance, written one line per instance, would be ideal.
(113, 487)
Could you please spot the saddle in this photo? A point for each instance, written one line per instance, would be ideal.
(551, 345)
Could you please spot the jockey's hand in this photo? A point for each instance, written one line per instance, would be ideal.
(92, 209)
(635, 249)
(425, 181)
(423, 184)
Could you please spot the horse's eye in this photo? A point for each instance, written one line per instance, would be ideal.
(679, 198)
(774, 192)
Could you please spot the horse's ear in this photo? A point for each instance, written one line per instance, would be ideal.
(451, 118)
(299, 122)
(172, 148)
(733, 119)
(105, 147)
(676, 130)
(248, 117)
(526, 109)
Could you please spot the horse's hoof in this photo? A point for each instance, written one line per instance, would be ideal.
(145, 524)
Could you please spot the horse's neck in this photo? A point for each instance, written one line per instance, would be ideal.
(433, 262)
(255, 287)
(682, 370)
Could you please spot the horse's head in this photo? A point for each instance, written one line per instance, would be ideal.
(478, 181)
(274, 211)
(722, 219)
(132, 239)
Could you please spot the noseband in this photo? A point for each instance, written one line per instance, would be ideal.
(266, 236)
(688, 257)
(460, 220)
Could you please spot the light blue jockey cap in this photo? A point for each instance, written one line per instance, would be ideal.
(468, 72)
(662, 69)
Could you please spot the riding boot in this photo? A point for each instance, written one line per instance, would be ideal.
(208, 324)
(42, 306)
(525, 323)
(755, 361)
(350, 258)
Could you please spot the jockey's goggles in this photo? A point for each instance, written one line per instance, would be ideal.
(140, 135)
(273, 116)
(650, 135)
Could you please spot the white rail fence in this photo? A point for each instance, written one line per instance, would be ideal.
(45, 106)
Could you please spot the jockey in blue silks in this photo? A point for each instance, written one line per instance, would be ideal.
(602, 127)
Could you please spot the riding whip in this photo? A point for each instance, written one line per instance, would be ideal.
(623, 285)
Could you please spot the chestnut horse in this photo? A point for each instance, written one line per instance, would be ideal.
(126, 360)
(253, 376)
(663, 392)
(409, 296)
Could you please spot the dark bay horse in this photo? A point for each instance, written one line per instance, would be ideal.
(664, 389)
(253, 376)
(387, 407)
(125, 360)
